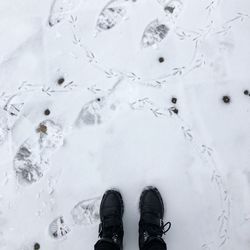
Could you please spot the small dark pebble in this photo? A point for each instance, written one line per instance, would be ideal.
(226, 99)
(42, 129)
(36, 246)
(47, 112)
(161, 59)
(175, 110)
(246, 92)
(98, 99)
(60, 81)
(174, 100)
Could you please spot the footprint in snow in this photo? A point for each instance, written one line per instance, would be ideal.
(156, 31)
(58, 229)
(85, 213)
(96, 112)
(61, 9)
(32, 158)
(111, 15)
(89, 114)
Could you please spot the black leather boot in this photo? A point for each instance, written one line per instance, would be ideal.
(111, 212)
(151, 226)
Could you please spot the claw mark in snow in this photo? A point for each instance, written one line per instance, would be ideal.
(187, 133)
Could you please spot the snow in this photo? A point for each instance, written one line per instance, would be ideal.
(112, 122)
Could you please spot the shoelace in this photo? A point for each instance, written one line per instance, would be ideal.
(163, 226)
(154, 230)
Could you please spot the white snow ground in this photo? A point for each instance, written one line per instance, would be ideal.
(112, 122)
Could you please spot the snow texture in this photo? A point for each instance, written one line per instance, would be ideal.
(124, 94)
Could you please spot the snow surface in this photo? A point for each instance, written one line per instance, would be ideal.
(95, 66)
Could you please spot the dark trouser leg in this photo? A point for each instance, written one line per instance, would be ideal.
(106, 245)
(155, 245)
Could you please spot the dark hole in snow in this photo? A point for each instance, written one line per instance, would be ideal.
(161, 59)
(175, 110)
(60, 81)
(226, 99)
(246, 92)
(169, 9)
(47, 112)
(98, 99)
(36, 246)
(174, 100)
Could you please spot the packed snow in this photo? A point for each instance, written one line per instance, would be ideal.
(123, 94)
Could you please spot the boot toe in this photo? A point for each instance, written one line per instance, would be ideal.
(151, 200)
(111, 203)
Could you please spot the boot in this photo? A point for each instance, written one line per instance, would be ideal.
(151, 226)
(111, 212)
